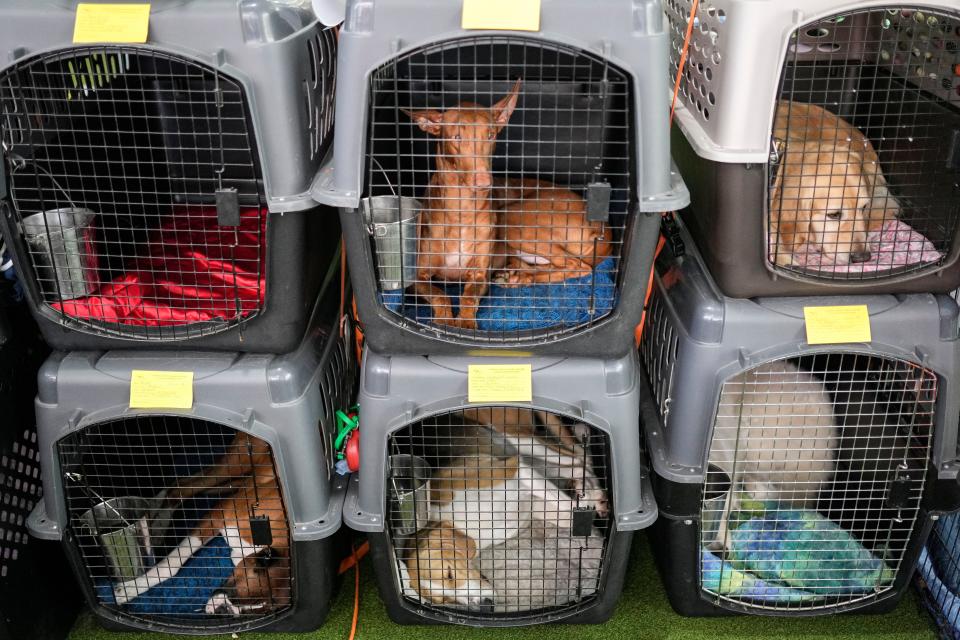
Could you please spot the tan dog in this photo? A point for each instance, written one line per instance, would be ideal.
(441, 569)
(458, 229)
(261, 578)
(547, 235)
(829, 190)
(545, 232)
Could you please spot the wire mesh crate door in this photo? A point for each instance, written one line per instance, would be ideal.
(864, 148)
(816, 470)
(499, 513)
(135, 181)
(178, 521)
(499, 185)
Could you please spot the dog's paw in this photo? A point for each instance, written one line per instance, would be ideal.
(122, 594)
(219, 604)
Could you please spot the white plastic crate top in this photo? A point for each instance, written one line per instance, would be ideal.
(736, 54)
(329, 12)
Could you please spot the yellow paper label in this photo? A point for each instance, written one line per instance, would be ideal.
(161, 389)
(835, 325)
(499, 383)
(115, 23)
(505, 15)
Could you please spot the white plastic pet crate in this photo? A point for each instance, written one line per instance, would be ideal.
(805, 203)
(794, 478)
(216, 518)
(159, 192)
(501, 187)
(499, 514)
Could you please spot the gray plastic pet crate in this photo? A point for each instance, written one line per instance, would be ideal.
(38, 599)
(587, 119)
(159, 192)
(124, 487)
(416, 421)
(753, 434)
(886, 68)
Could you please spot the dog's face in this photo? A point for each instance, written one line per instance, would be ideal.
(468, 134)
(442, 572)
(823, 196)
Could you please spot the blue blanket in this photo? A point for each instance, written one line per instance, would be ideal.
(537, 306)
(792, 556)
(939, 566)
(186, 593)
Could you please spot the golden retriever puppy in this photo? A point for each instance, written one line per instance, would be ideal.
(829, 190)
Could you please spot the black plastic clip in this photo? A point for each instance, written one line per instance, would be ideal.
(260, 531)
(671, 234)
(228, 207)
(898, 492)
(583, 518)
(598, 201)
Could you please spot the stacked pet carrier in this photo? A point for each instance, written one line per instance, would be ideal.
(500, 185)
(803, 447)
(159, 201)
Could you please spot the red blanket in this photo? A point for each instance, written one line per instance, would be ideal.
(193, 271)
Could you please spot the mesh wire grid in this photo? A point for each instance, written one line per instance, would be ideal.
(939, 577)
(499, 513)
(504, 245)
(156, 506)
(816, 471)
(872, 192)
(126, 150)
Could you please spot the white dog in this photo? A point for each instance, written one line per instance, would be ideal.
(775, 437)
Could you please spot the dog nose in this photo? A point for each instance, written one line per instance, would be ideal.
(859, 256)
(486, 605)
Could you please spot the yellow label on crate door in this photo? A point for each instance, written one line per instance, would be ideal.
(114, 23)
(161, 389)
(835, 325)
(499, 383)
(505, 15)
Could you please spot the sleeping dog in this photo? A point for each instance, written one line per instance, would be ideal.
(829, 190)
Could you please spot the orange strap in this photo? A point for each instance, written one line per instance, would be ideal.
(683, 56)
(354, 561)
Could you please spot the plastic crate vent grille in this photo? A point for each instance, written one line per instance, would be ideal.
(319, 90)
(117, 158)
(815, 475)
(658, 352)
(471, 539)
(155, 506)
(704, 55)
(22, 489)
(516, 230)
(865, 146)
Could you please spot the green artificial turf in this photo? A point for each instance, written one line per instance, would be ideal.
(643, 612)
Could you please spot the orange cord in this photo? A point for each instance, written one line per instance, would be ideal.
(683, 56)
(353, 560)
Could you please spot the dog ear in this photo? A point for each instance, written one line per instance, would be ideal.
(429, 120)
(503, 109)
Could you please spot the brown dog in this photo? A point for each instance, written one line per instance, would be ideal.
(441, 570)
(261, 578)
(458, 229)
(829, 190)
(545, 234)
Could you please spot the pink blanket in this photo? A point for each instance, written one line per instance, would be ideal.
(895, 245)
